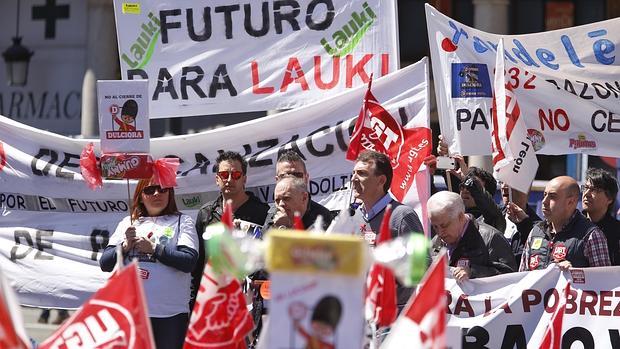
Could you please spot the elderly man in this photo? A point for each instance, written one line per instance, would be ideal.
(291, 197)
(565, 237)
(371, 180)
(290, 164)
(598, 196)
(475, 249)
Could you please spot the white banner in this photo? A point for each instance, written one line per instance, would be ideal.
(53, 226)
(514, 310)
(567, 83)
(224, 56)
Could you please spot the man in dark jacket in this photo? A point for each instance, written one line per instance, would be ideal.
(474, 249)
(565, 237)
(598, 196)
(231, 176)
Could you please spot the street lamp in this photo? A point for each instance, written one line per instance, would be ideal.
(17, 58)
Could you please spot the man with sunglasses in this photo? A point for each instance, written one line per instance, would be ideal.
(290, 164)
(231, 176)
(598, 196)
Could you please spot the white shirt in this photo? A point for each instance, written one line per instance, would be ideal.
(167, 289)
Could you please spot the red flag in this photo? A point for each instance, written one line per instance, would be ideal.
(423, 322)
(377, 130)
(552, 338)
(12, 331)
(220, 318)
(227, 215)
(116, 316)
(381, 284)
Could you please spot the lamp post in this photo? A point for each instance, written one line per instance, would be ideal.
(17, 58)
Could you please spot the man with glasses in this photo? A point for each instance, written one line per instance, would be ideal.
(565, 236)
(231, 176)
(290, 164)
(598, 196)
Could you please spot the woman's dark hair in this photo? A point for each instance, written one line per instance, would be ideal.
(139, 210)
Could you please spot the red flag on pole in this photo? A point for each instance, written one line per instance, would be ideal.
(377, 130)
(423, 322)
(552, 338)
(220, 318)
(381, 284)
(116, 316)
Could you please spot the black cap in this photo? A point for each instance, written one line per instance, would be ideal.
(328, 310)
(130, 107)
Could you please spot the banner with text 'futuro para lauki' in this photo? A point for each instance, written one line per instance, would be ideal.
(53, 228)
(227, 56)
(567, 82)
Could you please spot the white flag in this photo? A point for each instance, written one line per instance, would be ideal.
(514, 158)
(12, 331)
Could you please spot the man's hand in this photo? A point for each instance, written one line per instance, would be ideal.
(462, 171)
(281, 219)
(461, 274)
(515, 213)
(564, 265)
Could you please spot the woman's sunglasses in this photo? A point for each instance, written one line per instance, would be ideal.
(150, 190)
(225, 174)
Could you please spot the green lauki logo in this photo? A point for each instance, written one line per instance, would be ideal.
(347, 38)
(141, 50)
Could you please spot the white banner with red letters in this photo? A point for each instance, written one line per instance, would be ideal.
(514, 310)
(227, 56)
(53, 227)
(567, 83)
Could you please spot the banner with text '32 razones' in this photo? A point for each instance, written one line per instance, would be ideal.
(226, 56)
(53, 227)
(514, 310)
(567, 82)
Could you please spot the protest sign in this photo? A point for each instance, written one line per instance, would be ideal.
(516, 309)
(317, 286)
(566, 82)
(227, 57)
(53, 227)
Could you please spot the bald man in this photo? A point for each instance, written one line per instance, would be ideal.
(565, 236)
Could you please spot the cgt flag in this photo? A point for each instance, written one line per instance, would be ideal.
(514, 158)
(115, 317)
(377, 130)
(422, 323)
(12, 331)
(220, 319)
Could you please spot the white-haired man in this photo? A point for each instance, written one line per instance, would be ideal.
(475, 249)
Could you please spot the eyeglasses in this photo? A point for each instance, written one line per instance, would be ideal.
(150, 190)
(585, 187)
(291, 174)
(224, 175)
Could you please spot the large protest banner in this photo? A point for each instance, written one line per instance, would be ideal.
(226, 56)
(53, 226)
(514, 310)
(567, 83)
